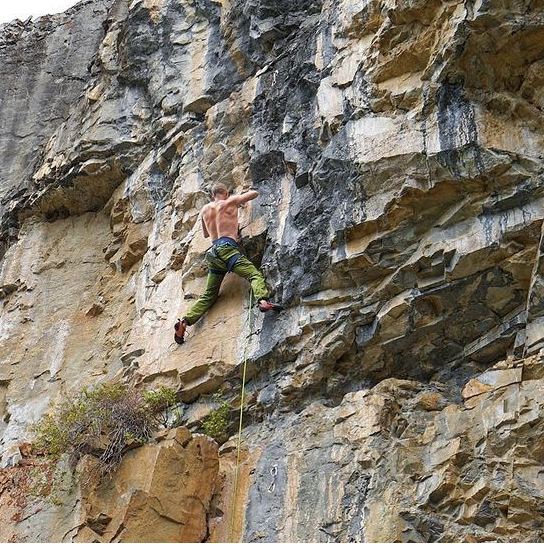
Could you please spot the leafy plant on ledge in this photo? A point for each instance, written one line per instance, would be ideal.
(216, 423)
(104, 421)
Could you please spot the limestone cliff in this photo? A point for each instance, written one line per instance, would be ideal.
(397, 149)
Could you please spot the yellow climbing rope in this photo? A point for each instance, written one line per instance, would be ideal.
(246, 345)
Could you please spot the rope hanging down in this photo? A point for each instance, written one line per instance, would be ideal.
(236, 469)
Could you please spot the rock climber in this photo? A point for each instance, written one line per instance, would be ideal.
(220, 221)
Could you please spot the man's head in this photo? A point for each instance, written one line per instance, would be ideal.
(220, 191)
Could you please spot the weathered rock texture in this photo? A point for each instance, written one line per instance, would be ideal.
(161, 492)
(396, 145)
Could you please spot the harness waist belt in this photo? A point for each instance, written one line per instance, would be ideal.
(225, 241)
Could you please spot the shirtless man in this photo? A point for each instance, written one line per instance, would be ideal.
(220, 221)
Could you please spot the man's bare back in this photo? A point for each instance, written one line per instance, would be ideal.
(220, 217)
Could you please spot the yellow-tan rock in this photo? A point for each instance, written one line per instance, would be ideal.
(397, 150)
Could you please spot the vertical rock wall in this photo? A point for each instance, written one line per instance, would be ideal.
(396, 146)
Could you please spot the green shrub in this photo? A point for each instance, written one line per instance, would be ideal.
(103, 421)
(161, 403)
(215, 425)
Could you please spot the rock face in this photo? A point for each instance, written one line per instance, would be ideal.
(396, 146)
(160, 492)
(398, 463)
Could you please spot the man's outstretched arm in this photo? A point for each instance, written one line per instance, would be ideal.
(243, 198)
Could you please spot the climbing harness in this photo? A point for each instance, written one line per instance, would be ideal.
(239, 442)
(212, 255)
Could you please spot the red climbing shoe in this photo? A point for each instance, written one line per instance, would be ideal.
(180, 328)
(266, 306)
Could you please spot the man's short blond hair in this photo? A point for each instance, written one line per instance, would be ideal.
(219, 189)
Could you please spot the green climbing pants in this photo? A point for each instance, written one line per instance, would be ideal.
(217, 260)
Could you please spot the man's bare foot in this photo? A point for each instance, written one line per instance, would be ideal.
(266, 306)
(180, 328)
